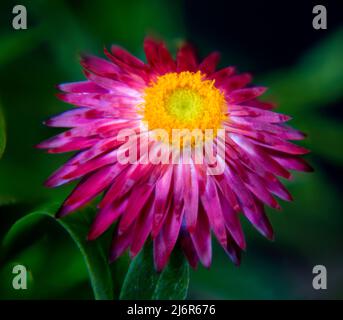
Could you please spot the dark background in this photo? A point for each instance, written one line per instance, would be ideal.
(274, 40)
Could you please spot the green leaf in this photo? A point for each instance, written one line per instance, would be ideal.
(143, 282)
(2, 134)
(76, 226)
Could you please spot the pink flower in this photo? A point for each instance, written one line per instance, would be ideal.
(173, 200)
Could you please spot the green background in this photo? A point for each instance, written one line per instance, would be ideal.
(309, 88)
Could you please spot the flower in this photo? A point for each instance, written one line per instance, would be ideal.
(172, 200)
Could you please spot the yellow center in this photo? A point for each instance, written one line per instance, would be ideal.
(183, 100)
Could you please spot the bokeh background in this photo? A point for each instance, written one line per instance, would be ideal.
(274, 40)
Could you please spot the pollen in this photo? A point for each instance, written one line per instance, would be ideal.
(184, 100)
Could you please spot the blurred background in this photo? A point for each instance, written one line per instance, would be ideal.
(275, 41)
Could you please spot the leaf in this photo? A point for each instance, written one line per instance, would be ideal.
(2, 134)
(143, 282)
(76, 226)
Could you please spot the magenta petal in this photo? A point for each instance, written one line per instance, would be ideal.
(166, 239)
(222, 75)
(260, 220)
(126, 57)
(93, 164)
(209, 64)
(161, 200)
(232, 250)
(262, 104)
(211, 204)
(232, 223)
(136, 202)
(292, 163)
(258, 114)
(257, 186)
(114, 86)
(142, 229)
(191, 197)
(167, 62)
(255, 157)
(236, 82)
(81, 87)
(186, 59)
(201, 238)
(188, 248)
(277, 188)
(105, 218)
(121, 242)
(158, 56)
(99, 66)
(133, 68)
(242, 95)
(86, 190)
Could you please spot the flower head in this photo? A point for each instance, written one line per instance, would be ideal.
(178, 148)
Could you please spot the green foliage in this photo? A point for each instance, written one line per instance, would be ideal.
(76, 226)
(142, 282)
(2, 133)
(316, 80)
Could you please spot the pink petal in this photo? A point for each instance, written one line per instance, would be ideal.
(81, 87)
(126, 57)
(257, 114)
(137, 199)
(94, 100)
(166, 239)
(232, 250)
(161, 199)
(211, 204)
(114, 86)
(209, 64)
(269, 141)
(87, 189)
(186, 59)
(292, 163)
(142, 228)
(262, 104)
(158, 56)
(260, 220)
(255, 158)
(242, 95)
(106, 217)
(191, 196)
(201, 238)
(99, 66)
(188, 248)
(222, 75)
(236, 82)
(232, 223)
(277, 188)
(121, 242)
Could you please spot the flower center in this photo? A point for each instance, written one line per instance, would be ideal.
(184, 104)
(183, 100)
